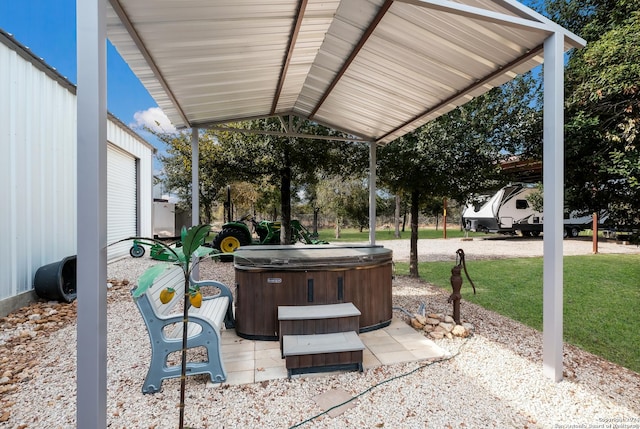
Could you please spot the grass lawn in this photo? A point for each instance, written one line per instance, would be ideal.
(601, 298)
(349, 234)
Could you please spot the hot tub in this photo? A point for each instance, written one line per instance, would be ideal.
(270, 276)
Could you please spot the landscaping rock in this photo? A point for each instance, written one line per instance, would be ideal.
(448, 327)
(436, 335)
(460, 331)
(438, 326)
(416, 324)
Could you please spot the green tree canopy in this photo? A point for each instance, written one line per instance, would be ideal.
(602, 157)
(266, 161)
(288, 163)
(459, 153)
(177, 170)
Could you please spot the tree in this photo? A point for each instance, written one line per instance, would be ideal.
(333, 194)
(266, 161)
(286, 162)
(459, 153)
(603, 107)
(247, 198)
(396, 217)
(433, 206)
(590, 18)
(355, 202)
(177, 170)
(313, 204)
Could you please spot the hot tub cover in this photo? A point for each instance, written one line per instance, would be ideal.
(297, 258)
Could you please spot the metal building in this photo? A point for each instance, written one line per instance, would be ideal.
(38, 173)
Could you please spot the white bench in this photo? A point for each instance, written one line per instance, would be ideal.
(165, 328)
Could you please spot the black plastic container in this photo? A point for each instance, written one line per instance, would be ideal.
(57, 281)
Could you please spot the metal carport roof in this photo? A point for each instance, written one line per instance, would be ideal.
(375, 69)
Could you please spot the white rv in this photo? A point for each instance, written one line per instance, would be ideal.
(509, 211)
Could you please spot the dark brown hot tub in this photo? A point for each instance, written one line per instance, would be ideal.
(269, 276)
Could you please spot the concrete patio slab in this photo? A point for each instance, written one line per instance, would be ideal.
(249, 361)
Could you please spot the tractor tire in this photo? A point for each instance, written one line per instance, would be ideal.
(136, 251)
(229, 240)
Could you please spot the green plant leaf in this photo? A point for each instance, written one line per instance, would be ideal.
(194, 238)
(204, 251)
(147, 278)
(183, 234)
(181, 258)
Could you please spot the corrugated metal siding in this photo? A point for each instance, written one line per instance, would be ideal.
(122, 200)
(38, 169)
(125, 139)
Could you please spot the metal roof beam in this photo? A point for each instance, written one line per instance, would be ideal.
(289, 124)
(292, 125)
(514, 5)
(286, 125)
(302, 6)
(480, 14)
(288, 134)
(356, 137)
(534, 21)
(381, 13)
(230, 120)
(126, 22)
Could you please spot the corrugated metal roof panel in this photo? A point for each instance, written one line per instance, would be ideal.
(374, 68)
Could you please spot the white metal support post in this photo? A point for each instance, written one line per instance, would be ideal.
(372, 193)
(195, 191)
(553, 181)
(91, 394)
(195, 180)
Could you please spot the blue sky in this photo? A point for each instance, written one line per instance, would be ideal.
(48, 29)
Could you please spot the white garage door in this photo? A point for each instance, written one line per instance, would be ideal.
(122, 200)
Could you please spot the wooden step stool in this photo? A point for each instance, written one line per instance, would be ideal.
(316, 338)
(317, 319)
(322, 352)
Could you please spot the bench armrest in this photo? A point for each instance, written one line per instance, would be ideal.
(156, 329)
(229, 321)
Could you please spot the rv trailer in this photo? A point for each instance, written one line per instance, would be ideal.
(509, 211)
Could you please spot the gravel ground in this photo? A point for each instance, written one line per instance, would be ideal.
(494, 247)
(494, 379)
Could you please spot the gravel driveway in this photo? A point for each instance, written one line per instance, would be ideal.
(497, 247)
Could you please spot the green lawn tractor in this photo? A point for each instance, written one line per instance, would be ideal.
(236, 233)
(158, 251)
